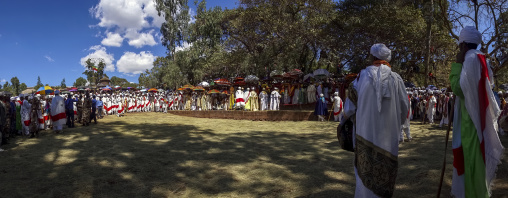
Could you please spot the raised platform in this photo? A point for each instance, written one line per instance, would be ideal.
(282, 115)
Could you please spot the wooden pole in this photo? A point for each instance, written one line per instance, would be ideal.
(450, 120)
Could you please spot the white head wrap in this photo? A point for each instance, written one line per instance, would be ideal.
(500, 93)
(380, 51)
(57, 92)
(336, 93)
(470, 35)
(321, 95)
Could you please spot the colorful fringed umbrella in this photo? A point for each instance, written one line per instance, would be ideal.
(198, 89)
(187, 86)
(46, 90)
(153, 90)
(222, 81)
(213, 91)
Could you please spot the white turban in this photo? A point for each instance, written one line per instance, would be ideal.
(57, 92)
(380, 51)
(470, 35)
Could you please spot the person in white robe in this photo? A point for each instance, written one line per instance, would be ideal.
(25, 116)
(47, 111)
(431, 107)
(275, 99)
(264, 98)
(58, 112)
(337, 107)
(381, 108)
(311, 94)
(240, 101)
(406, 125)
(286, 95)
(40, 116)
(296, 94)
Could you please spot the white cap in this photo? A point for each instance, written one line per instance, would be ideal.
(470, 35)
(380, 51)
(336, 93)
(321, 95)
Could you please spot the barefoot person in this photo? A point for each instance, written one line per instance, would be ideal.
(381, 109)
(476, 146)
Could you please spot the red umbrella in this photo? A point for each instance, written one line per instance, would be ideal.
(213, 91)
(222, 81)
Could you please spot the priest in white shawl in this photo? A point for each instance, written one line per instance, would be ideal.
(240, 101)
(274, 99)
(337, 107)
(381, 109)
(263, 96)
(477, 149)
(431, 107)
(58, 112)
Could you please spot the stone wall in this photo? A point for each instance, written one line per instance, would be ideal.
(251, 115)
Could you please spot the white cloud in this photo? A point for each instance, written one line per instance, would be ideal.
(132, 63)
(99, 52)
(129, 17)
(3, 80)
(49, 58)
(139, 40)
(113, 40)
(184, 46)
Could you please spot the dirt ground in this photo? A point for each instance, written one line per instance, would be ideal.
(163, 155)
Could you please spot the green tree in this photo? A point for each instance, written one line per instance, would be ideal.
(23, 87)
(174, 29)
(79, 82)
(7, 87)
(62, 84)
(39, 83)
(116, 81)
(15, 85)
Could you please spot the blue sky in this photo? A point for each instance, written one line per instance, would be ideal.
(51, 39)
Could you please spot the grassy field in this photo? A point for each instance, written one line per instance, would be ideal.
(162, 155)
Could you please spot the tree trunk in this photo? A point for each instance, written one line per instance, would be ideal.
(428, 41)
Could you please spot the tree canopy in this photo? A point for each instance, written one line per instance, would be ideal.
(258, 37)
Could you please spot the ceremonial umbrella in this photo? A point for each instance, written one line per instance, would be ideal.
(213, 91)
(204, 84)
(295, 72)
(153, 90)
(180, 89)
(46, 90)
(187, 86)
(198, 89)
(321, 73)
(103, 89)
(251, 79)
(222, 81)
(143, 90)
(308, 76)
(225, 92)
(276, 74)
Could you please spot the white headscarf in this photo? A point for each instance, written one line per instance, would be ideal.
(470, 35)
(380, 51)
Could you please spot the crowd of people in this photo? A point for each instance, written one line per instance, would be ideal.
(378, 103)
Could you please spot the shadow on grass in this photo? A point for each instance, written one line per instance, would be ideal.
(159, 160)
(121, 159)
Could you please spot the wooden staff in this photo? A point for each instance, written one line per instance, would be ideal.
(450, 120)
